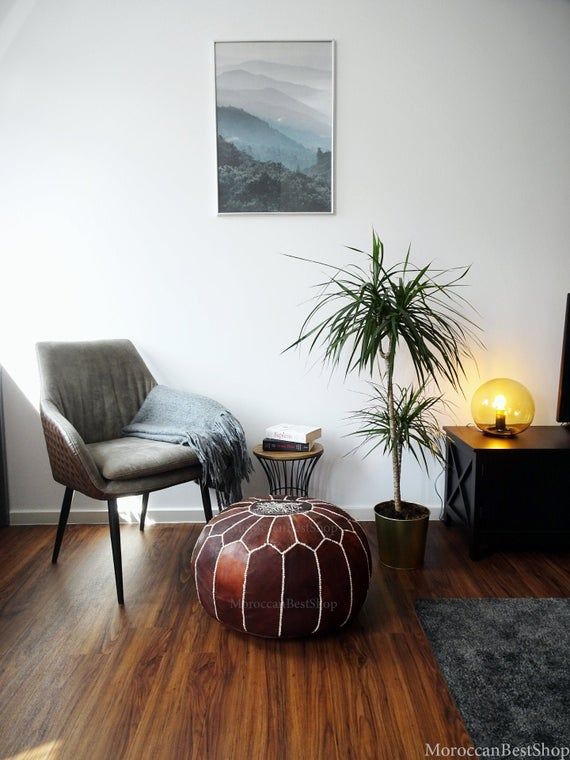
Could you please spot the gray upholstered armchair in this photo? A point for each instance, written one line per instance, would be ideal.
(90, 391)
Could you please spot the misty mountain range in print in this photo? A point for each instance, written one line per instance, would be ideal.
(274, 113)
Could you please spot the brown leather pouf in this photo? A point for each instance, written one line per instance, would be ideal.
(282, 567)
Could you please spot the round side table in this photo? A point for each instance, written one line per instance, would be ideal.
(289, 472)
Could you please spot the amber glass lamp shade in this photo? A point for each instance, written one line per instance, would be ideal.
(502, 407)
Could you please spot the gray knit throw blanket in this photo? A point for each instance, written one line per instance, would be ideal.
(204, 425)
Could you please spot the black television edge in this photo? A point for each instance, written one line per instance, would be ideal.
(563, 409)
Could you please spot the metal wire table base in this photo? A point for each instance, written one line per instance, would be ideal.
(289, 476)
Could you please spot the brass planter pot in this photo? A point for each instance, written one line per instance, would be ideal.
(401, 543)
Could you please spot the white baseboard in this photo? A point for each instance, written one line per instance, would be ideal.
(165, 515)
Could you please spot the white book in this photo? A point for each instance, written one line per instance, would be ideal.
(286, 431)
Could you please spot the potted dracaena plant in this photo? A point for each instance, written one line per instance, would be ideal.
(368, 316)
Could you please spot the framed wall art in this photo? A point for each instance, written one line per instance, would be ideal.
(274, 124)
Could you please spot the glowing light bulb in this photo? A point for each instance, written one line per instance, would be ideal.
(499, 405)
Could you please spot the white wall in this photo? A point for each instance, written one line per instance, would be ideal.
(452, 132)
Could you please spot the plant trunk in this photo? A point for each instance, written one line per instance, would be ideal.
(394, 438)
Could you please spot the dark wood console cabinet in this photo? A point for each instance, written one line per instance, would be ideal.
(509, 492)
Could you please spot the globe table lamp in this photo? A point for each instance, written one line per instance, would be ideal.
(502, 407)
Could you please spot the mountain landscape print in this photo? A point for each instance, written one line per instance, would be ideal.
(274, 114)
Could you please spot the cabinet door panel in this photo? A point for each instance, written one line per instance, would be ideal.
(528, 491)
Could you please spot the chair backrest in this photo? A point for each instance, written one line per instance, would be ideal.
(98, 386)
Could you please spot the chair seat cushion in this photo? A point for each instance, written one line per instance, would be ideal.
(129, 458)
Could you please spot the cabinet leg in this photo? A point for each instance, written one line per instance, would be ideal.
(476, 549)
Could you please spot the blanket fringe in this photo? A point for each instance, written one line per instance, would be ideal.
(224, 458)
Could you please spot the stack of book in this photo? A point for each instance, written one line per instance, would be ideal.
(288, 437)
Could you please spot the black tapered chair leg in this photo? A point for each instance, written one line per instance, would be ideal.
(144, 509)
(116, 546)
(206, 501)
(63, 517)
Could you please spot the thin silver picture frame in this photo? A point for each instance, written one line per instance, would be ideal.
(332, 210)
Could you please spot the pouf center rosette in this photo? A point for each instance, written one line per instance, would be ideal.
(282, 567)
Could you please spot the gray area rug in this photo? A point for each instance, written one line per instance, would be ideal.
(506, 662)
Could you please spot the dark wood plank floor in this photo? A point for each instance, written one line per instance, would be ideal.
(82, 678)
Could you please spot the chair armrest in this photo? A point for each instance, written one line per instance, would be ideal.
(71, 462)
